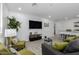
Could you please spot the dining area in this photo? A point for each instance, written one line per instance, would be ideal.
(66, 34)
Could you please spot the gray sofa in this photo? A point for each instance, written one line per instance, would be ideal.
(48, 50)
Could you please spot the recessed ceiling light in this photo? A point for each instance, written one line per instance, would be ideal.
(49, 16)
(19, 8)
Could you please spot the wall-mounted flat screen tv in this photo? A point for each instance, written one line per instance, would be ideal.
(35, 24)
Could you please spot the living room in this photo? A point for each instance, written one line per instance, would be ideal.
(24, 18)
(56, 22)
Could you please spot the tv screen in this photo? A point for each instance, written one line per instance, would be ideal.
(35, 24)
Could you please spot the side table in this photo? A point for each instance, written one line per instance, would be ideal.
(49, 42)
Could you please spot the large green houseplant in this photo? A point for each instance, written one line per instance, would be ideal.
(13, 23)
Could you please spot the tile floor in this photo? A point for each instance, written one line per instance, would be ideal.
(35, 46)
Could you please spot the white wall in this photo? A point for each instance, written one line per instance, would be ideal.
(1, 38)
(48, 31)
(23, 33)
(61, 26)
(66, 24)
(0, 17)
(4, 24)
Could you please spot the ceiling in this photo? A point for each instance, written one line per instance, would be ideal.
(57, 11)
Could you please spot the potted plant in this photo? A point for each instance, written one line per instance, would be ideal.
(13, 23)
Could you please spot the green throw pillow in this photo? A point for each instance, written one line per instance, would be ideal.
(25, 52)
(69, 39)
(5, 51)
(60, 45)
(77, 37)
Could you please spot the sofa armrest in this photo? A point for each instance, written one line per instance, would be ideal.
(20, 43)
(48, 50)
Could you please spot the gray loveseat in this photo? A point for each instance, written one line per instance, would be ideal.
(48, 50)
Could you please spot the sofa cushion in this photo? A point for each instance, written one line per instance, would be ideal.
(25, 52)
(4, 50)
(72, 47)
(1, 46)
(77, 37)
(20, 43)
(69, 39)
(60, 45)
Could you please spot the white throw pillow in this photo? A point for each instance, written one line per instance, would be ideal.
(14, 40)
